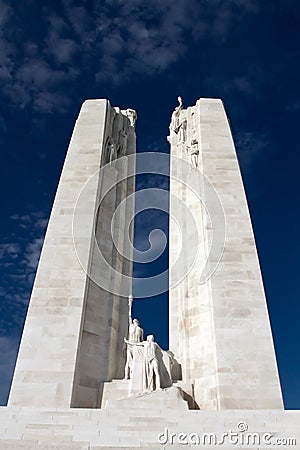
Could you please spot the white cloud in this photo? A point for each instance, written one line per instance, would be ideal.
(135, 43)
(19, 259)
(114, 40)
(32, 253)
(62, 48)
(38, 74)
(37, 220)
(48, 101)
(25, 218)
(10, 249)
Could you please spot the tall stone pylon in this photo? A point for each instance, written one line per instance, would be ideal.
(219, 323)
(78, 311)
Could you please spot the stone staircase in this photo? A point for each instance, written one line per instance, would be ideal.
(115, 390)
(152, 421)
(170, 398)
(121, 389)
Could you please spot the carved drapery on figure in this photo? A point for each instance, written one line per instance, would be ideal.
(183, 132)
(132, 116)
(152, 370)
(147, 365)
(111, 150)
(194, 153)
(175, 118)
(121, 125)
(151, 367)
(178, 122)
(122, 142)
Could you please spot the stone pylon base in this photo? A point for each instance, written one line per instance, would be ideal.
(170, 398)
(156, 425)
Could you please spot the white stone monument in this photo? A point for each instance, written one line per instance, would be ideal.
(85, 378)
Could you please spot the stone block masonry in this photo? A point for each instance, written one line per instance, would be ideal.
(219, 328)
(71, 339)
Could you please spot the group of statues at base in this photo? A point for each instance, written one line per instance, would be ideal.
(146, 359)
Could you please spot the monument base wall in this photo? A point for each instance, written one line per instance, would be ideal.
(139, 427)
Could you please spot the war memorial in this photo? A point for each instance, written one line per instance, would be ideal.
(86, 376)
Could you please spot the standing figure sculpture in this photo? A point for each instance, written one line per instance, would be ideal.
(135, 335)
(175, 117)
(122, 142)
(194, 153)
(178, 123)
(182, 131)
(111, 149)
(152, 381)
(132, 116)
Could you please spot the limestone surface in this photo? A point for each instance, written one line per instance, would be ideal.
(73, 336)
(219, 325)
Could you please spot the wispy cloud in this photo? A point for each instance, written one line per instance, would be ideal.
(113, 41)
(140, 38)
(18, 261)
(9, 249)
(62, 49)
(19, 257)
(36, 219)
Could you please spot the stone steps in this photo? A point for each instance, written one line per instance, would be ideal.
(170, 398)
(131, 428)
(115, 390)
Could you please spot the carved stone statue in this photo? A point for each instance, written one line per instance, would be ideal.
(122, 142)
(135, 332)
(178, 123)
(135, 335)
(111, 150)
(194, 153)
(175, 118)
(182, 131)
(152, 371)
(147, 365)
(132, 116)
(111, 121)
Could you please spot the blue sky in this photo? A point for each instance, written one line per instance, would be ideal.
(55, 54)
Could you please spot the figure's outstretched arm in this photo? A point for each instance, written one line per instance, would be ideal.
(141, 344)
